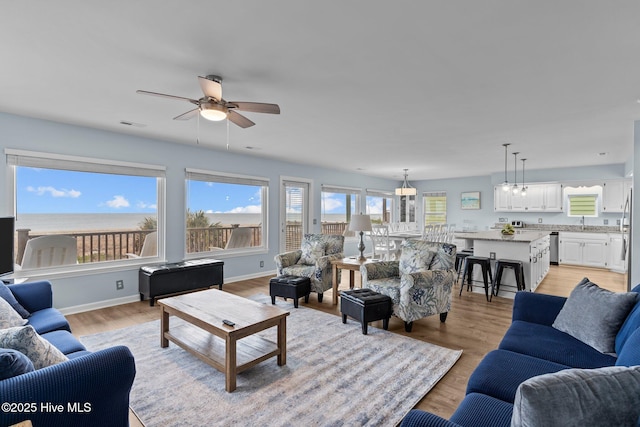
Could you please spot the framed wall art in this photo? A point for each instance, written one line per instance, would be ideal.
(470, 200)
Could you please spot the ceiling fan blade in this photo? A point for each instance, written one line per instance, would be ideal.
(256, 107)
(211, 88)
(188, 115)
(162, 95)
(239, 119)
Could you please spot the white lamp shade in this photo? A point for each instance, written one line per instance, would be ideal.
(360, 223)
(406, 191)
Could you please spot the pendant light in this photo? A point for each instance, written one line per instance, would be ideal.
(505, 184)
(406, 189)
(515, 189)
(524, 189)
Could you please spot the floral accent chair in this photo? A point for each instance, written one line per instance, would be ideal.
(419, 284)
(313, 260)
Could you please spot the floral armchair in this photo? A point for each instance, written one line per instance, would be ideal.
(313, 260)
(419, 284)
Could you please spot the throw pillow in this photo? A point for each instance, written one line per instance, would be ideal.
(416, 255)
(594, 315)
(13, 363)
(311, 251)
(9, 317)
(579, 397)
(26, 340)
(7, 295)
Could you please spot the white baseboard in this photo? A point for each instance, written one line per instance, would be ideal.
(133, 298)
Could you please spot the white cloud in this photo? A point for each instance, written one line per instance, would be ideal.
(54, 192)
(375, 205)
(144, 205)
(330, 204)
(118, 202)
(246, 209)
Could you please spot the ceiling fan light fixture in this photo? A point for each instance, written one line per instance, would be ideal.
(213, 112)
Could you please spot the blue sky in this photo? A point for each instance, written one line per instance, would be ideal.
(59, 191)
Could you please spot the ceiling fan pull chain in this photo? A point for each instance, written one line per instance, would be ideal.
(227, 134)
(198, 130)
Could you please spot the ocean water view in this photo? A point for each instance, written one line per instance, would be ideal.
(47, 223)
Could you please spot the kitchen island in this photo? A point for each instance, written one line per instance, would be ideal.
(530, 247)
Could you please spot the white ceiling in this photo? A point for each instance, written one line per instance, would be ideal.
(376, 86)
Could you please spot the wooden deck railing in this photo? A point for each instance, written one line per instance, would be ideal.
(113, 245)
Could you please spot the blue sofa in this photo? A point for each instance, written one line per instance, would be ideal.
(532, 348)
(93, 388)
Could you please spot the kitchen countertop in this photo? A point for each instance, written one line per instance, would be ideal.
(566, 227)
(520, 236)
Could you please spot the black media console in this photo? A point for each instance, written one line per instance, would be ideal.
(166, 279)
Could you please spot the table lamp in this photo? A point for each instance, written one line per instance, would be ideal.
(360, 223)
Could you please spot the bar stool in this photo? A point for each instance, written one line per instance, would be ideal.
(460, 260)
(518, 271)
(483, 262)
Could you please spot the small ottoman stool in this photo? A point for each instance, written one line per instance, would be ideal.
(288, 286)
(366, 306)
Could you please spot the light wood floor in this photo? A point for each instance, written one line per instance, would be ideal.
(473, 325)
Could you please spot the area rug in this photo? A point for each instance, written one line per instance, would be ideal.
(334, 376)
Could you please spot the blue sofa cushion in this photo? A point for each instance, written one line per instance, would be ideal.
(553, 345)
(7, 295)
(630, 324)
(630, 353)
(420, 418)
(64, 341)
(501, 372)
(481, 410)
(594, 315)
(580, 397)
(47, 320)
(13, 363)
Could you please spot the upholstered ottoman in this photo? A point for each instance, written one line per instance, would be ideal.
(366, 306)
(290, 287)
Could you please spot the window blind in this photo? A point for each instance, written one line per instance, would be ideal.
(582, 205)
(208, 176)
(81, 164)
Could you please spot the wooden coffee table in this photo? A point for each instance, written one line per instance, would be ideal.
(234, 348)
(352, 264)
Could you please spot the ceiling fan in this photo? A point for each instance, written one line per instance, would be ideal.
(213, 107)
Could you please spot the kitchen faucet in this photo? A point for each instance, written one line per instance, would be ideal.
(582, 223)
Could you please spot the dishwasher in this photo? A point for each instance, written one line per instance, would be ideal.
(553, 248)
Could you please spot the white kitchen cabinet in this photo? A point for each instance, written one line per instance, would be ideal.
(587, 249)
(614, 194)
(616, 261)
(539, 198)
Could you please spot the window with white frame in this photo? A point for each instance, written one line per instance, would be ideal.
(435, 207)
(583, 201)
(379, 206)
(338, 204)
(225, 212)
(108, 207)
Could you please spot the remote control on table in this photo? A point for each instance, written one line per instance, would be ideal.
(228, 322)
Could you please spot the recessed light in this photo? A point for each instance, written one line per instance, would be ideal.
(249, 147)
(603, 153)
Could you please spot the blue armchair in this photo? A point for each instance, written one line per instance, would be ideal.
(313, 260)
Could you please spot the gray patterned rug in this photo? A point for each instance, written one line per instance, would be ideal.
(334, 376)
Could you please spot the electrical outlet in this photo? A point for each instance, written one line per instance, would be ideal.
(492, 255)
(617, 222)
(606, 222)
(119, 285)
(539, 220)
(261, 264)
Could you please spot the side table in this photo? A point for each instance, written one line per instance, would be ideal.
(352, 264)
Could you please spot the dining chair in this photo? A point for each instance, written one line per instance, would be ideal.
(383, 247)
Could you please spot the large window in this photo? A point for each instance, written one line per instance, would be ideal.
(107, 207)
(435, 208)
(225, 212)
(338, 204)
(379, 206)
